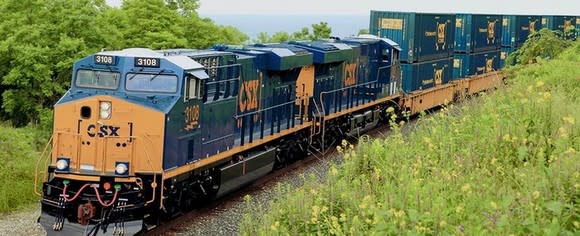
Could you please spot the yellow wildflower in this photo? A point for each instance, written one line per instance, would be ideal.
(539, 83)
(536, 194)
(458, 209)
(569, 119)
(333, 171)
(466, 188)
(390, 110)
(493, 205)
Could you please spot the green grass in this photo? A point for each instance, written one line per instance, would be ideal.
(502, 164)
(18, 155)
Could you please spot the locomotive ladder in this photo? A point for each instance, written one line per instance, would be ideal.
(317, 126)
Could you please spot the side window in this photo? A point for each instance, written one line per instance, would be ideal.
(192, 89)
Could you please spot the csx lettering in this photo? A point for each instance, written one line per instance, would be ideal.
(105, 130)
(248, 98)
(350, 74)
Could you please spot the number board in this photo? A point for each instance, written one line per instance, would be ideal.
(105, 60)
(147, 62)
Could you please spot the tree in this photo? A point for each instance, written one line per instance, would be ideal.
(303, 34)
(320, 31)
(363, 31)
(39, 41)
(152, 24)
(544, 44)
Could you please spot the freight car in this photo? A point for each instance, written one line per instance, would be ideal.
(142, 135)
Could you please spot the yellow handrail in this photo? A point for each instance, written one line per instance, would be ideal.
(42, 155)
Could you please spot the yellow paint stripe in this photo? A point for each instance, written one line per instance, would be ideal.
(227, 154)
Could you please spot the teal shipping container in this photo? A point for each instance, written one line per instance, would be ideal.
(564, 24)
(477, 33)
(504, 54)
(465, 65)
(424, 75)
(577, 26)
(516, 29)
(421, 36)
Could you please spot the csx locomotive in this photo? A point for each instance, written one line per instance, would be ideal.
(144, 134)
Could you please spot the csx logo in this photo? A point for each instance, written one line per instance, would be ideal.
(105, 130)
(491, 29)
(532, 26)
(350, 74)
(489, 65)
(439, 76)
(248, 96)
(441, 33)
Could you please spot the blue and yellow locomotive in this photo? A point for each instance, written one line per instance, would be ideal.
(143, 134)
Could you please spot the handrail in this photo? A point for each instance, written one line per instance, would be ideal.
(349, 87)
(270, 108)
(43, 154)
(154, 184)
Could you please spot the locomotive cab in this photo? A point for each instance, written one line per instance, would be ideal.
(108, 140)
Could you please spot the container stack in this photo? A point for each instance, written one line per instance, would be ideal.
(516, 29)
(577, 26)
(562, 24)
(477, 44)
(427, 45)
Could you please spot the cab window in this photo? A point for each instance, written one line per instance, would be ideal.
(192, 88)
(151, 83)
(97, 79)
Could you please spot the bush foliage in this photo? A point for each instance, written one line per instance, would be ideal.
(40, 40)
(499, 165)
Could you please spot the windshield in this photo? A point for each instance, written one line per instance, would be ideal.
(151, 83)
(97, 79)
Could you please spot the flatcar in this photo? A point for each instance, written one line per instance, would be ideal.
(142, 135)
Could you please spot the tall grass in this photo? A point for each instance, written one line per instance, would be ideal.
(18, 156)
(503, 164)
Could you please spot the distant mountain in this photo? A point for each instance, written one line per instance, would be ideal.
(252, 25)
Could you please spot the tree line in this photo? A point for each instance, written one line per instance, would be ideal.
(41, 39)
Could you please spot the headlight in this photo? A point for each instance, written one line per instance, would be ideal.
(121, 168)
(62, 164)
(105, 110)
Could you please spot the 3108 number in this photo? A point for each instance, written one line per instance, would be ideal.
(105, 60)
(147, 62)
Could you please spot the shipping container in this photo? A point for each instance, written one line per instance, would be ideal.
(505, 52)
(477, 33)
(564, 24)
(424, 75)
(517, 28)
(421, 36)
(577, 26)
(465, 65)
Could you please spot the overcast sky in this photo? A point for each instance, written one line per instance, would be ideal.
(362, 7)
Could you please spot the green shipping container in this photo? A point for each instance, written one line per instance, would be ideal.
(465, 65)
(504, 54)
(516, 29)
(477, 33)
(564, 24)
(424, 75)
(422, 36)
